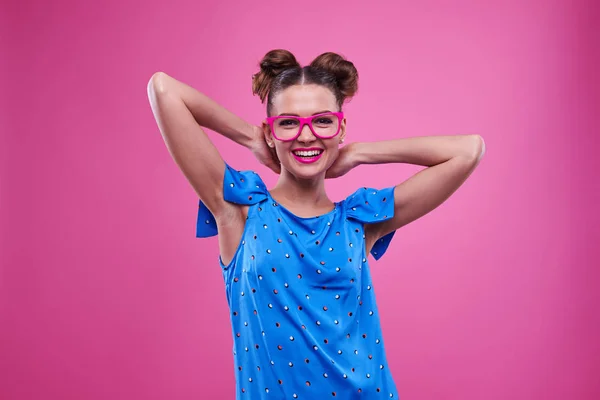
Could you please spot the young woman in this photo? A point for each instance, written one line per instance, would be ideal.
(303, 312)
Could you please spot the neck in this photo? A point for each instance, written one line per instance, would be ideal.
(305, 195)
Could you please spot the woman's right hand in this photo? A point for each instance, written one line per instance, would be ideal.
(266, 155)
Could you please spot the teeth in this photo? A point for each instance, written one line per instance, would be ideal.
(310, 153)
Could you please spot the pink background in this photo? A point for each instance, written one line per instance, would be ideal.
(105, 293)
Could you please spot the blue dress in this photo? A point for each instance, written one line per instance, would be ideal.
(303, 313)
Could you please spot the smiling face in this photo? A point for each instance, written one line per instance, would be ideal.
(306, 157)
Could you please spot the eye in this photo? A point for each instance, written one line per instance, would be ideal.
(287, 122)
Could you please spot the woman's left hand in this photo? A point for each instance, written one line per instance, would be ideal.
(344, 162)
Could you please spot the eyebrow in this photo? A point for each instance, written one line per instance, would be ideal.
(296, 115)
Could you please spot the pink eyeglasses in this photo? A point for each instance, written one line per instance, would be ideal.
(288, 127)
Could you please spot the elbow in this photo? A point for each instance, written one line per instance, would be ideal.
(475, 148)
(158, 83)
(480, 148)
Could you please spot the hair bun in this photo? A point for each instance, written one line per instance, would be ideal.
(273, 63)
(345, 72)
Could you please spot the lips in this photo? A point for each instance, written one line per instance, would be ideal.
(312, 152)
(307, 155)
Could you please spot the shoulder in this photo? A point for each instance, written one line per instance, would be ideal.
(370, 205)
(243, 186)
(240, 188)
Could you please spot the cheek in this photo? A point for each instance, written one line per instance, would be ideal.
(282, 149)
(333, 148)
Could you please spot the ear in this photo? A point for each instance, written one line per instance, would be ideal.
(342, 134)
(268, 135)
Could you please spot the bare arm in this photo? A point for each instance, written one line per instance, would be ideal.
(451, 159)
(180, 112)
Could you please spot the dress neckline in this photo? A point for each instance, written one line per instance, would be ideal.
(335, 207)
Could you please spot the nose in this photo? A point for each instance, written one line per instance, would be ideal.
(306, 135)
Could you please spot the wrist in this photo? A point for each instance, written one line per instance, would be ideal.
(247, 136)
(357, 153)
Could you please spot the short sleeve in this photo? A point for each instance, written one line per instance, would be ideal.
(239, 187)
(370, 206)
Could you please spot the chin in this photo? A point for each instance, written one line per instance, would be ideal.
(307, 170)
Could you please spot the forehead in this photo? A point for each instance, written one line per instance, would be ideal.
(304, 100)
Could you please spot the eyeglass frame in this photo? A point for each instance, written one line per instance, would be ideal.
(305, 121)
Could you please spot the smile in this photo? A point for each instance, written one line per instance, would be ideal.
(307, 156)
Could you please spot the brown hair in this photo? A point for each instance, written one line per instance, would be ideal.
(279, 70)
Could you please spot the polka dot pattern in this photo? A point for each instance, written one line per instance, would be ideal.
(302, 304)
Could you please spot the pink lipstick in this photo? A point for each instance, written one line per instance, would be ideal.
(307, 156)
